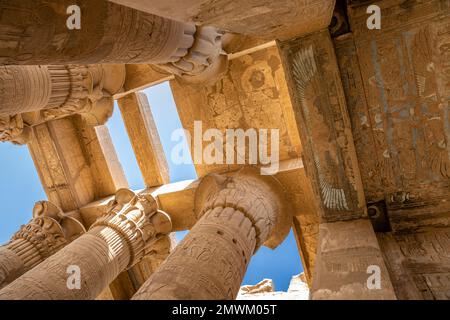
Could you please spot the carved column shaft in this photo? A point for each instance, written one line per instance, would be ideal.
(100, 254)
(37, 33)
(12, 266)
(117, 241)
(45, 234)
(209, 263)
(238, 214)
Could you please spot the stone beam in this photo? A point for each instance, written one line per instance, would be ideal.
(144, 138)
(47, 232)
(142, 76)
(124, 234)
(321, 114)
(281, 19)
(350, 264)
(77, 164)
(237, 213)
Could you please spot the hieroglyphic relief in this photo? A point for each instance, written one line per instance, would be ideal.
(252, 95)
(399, 106)
(322, 118)
(418, 263)
(359, 115)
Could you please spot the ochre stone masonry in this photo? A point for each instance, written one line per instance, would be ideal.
(363, 120)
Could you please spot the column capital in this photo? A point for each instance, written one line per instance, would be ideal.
(205, 62)
(13, 129)
(260, 198)
(31, 95)
(48, 231)
(135, 216)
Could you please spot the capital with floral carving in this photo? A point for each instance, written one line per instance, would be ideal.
(261, 198)
(49, 230)
(135, 216)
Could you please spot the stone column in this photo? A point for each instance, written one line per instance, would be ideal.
(30, 95)
(45, 234)
(238, 213)
(39, 34)
(118, 240)
(349, 263)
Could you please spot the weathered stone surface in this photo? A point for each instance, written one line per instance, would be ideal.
(77, 164)
(265, 290)
(418, 263)
(108, 34)
(320, 108)
(346, 254)
(281, 19)
(252, 95)
(397, 88)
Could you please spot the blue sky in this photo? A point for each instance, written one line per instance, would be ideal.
(20, 187)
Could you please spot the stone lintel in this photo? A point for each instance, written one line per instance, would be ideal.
(317, 95)
(144, 138)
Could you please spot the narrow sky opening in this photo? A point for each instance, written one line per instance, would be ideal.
(124, 150)
(167, 120)
(20, 189)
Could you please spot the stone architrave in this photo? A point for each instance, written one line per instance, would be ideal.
(329, 155)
